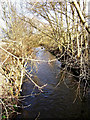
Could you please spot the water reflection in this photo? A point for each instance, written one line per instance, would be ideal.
(55, 103)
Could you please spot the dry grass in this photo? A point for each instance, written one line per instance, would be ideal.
(64, 31)
(14, 55)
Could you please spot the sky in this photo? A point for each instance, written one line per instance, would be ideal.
(20, 2)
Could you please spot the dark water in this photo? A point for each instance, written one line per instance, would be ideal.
(53, 102)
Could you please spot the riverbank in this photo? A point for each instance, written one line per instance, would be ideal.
(13, 91)
(72, 65)
(10, 84)
(52, 102)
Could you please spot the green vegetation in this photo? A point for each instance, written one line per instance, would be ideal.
(63, 31)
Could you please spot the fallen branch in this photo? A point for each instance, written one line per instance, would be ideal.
(40, 88)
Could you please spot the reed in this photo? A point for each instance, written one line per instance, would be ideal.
(64, 31)
(16, 49)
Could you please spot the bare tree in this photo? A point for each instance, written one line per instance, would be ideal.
(69, 30)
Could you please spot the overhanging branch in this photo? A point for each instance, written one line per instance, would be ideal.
(74, 2)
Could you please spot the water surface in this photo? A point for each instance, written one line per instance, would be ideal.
(53, 102)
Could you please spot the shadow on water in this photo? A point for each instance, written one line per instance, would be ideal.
(52, 103)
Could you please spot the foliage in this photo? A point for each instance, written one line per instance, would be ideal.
(55, 25)
(67, 29)
(16, 49)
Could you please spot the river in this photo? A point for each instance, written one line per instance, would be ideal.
(54, 102)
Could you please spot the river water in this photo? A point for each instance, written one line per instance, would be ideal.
(54, 102)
